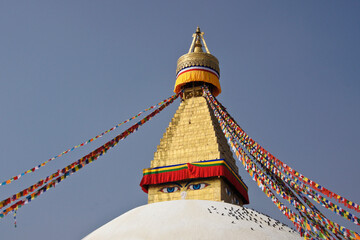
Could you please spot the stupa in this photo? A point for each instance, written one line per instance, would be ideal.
(194, 189)
(193, 160)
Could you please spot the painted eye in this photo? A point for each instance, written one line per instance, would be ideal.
(227, 192)
(198, 186)
(169, 189)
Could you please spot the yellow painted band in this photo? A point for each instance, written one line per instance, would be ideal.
(150, 170)
(195, 76)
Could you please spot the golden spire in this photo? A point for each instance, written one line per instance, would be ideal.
(196, 45)
(198, 66)
(193, 159)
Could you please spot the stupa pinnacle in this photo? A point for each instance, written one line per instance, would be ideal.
(198, 67)
(193, 159)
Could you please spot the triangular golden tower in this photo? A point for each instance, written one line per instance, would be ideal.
(193, 159)
(193, 162)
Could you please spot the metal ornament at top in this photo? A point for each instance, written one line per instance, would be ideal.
(196, 36)
(198, 65)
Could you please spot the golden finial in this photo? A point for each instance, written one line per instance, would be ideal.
(198, 30)
(196, 45)
(198, 66)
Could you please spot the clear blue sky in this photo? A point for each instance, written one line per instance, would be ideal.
(72, 69)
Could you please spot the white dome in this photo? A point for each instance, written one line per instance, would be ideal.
(193, 219)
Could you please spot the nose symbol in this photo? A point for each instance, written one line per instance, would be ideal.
(183, 194)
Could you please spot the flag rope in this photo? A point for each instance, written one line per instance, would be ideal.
(17, 177)
(263, 154)
(261, 178)
(313, 217)
(269, 157)
(60, 175)
(254, 173)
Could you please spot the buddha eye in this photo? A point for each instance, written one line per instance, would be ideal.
(169, 189)
(197, 186)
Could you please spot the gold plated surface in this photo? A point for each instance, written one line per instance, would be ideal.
(193, 135)
(196, 57)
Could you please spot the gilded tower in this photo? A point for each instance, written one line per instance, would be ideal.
(193, 159)
(193, 162)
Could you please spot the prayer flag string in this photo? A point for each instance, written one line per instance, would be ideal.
(300, 222)
(269, 157)
(15, 219)
(17, 177)
(312, 221)
(256, 148)
(256, 151)
(260, 176)
(60, 175)
(253, 172)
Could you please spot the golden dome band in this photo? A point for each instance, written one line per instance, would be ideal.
(198, 66)
(198, 59)
(198, 74)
